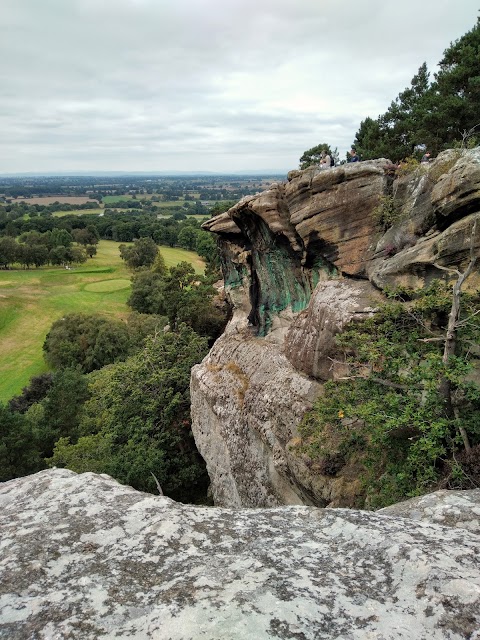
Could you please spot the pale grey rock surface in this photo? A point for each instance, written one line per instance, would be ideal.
(82, 557)
(247, 401)
(459, 509)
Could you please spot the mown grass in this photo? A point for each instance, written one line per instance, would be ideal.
(31, 300)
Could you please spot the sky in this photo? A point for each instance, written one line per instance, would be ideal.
(205, 85)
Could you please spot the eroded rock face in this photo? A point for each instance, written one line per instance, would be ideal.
(457, 190)
(86, 558)
(310, 341)
(250, 394)
(301, 260)
(247, 400)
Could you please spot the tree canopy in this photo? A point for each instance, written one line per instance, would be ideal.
(87, 341)
(141, 254)
(149, 434)
(312, 156)
(433, 115)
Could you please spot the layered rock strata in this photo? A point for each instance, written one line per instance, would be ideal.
(84, 557)
(300, 260)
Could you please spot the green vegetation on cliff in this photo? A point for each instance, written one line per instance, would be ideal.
(391, 415)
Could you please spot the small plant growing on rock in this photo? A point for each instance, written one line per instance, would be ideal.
(386, 212)
(408, 166)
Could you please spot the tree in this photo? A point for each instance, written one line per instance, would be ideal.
(75, 255)
(91, 250)
(436, 114)
(86, 341)
(60, 238)
(182, 295)
(141, 254)
(207, 248)
(141, 326)
(457, 88)
(145, 294)
(60, 411)
(9, 251)
(312, 156)
(407, 407)
(395, 134)
(19, 448)
(159, 266)
(447, 383)
(35, 392)
(137, 421)
(187, 238)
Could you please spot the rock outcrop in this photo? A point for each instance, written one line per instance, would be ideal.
(83, 557)
(459, 509)
(300, 260)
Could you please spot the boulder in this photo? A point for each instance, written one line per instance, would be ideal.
(415, 267)
(332, 212)
(310, 342)
(86, 558)
(456, 192)
(460, 509)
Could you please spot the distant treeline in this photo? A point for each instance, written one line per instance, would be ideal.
(113, 225)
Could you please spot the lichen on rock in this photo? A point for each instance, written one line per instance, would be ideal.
(86, 558)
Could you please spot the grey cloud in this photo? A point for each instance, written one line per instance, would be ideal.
(145, 83)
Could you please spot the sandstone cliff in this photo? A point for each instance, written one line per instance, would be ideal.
(83, 557)
(301, 260)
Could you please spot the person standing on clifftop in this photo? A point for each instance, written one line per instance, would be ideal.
(352, 156)
(325, 160)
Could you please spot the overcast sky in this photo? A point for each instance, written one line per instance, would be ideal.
(214, 85)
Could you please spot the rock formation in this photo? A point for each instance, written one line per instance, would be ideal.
(300, 260)
(86, 558)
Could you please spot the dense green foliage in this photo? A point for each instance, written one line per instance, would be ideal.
(434, 115)
(20, 452)
(141, 253)
(32, 239)
(137, 420)
(181, 295)
(130, 420)
(33, 393)
(312, 156)
(389, 414)
(90, 342)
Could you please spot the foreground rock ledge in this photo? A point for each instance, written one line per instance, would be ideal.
(84, 557)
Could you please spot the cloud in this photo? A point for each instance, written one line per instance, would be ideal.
(204, 84)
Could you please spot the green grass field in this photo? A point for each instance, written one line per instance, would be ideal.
(31, 300)
(78, 212)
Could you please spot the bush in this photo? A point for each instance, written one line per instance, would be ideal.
(390, 413)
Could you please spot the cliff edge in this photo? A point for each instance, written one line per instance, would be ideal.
(300, 261)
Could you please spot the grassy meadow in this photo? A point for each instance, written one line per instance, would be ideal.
(31, 300)
(78, 212)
